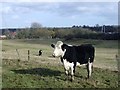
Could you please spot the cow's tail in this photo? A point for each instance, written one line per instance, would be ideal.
(92, 57)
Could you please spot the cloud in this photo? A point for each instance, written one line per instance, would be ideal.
(86, 9)
(74, 11)
(15, 17)
(105, 10)
(6, 10)
(62, 8)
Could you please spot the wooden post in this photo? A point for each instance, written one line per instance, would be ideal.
(28, 55)
(18, 54)
(118, 62)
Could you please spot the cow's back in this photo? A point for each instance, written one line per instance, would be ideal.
(85, 53)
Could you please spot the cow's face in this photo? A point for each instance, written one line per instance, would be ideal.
(58, 51)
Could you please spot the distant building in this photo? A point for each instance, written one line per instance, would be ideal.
(103, 29)
(13, 34)
(3, 36)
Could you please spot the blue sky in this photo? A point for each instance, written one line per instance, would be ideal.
(58, 14)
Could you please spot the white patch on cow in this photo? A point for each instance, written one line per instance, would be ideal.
(68, 66)
(78, 64)
(58, 50)
(90, 68)
(70, 45)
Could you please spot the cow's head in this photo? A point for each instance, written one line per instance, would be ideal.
(59, 49)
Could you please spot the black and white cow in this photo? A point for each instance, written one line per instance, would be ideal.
(71, 56)
(40, 52)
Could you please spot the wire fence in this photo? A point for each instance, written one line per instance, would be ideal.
(24, 54)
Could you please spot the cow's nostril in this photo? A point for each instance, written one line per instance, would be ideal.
(53, 55)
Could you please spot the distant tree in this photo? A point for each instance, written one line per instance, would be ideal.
(75, 26)
(84, 26)
(36, 25)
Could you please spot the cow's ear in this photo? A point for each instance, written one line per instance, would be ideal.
(64, 46)
(52, 45)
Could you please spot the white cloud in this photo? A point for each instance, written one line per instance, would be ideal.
(6, 10)
(79, 8)
(71, 10)
(62, 9)
(15, 17)
(12, 8)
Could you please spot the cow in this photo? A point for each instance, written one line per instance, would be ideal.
(40, 52)
(71, 56)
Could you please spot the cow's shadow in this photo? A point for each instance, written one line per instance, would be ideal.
(39, 71)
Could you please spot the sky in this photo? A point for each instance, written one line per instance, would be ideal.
(57, 14)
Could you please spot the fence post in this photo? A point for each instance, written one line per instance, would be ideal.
(28, 55)
(18, 54)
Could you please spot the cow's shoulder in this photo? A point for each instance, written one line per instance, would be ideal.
(67, 46)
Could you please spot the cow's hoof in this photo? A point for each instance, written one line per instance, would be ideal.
(71, 80)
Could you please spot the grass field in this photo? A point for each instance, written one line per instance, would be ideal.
(47, 72)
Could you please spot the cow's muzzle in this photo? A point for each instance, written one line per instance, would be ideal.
(53, 55)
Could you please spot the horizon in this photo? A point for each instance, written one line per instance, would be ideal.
(57, 27)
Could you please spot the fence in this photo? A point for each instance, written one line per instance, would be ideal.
(21, 54)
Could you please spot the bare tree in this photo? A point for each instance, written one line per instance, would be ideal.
(36, 25)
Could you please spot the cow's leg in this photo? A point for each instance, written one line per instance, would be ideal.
(89, 69)
(73, 71)
(92, 68)
(67, 74)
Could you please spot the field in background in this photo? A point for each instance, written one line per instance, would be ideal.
(46, 71)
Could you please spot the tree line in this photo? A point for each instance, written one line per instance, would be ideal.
(86, 32)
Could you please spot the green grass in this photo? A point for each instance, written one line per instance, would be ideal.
(96, 43)
(35, 75)
(48, 72)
